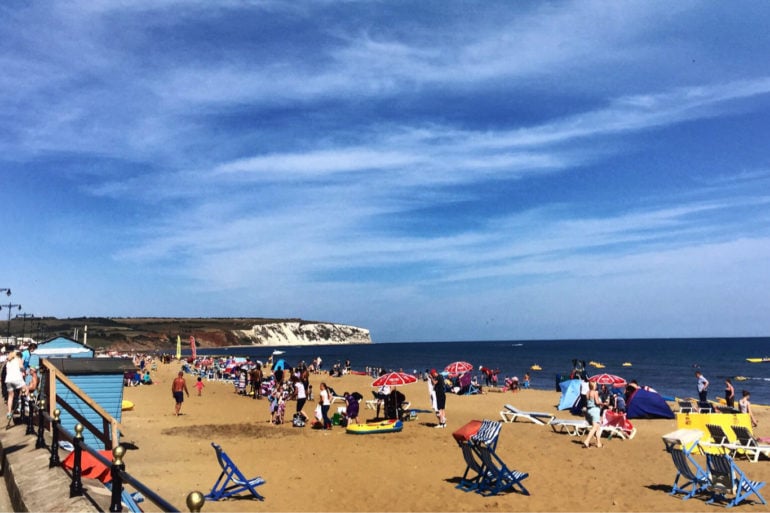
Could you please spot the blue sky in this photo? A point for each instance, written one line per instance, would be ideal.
(427, 170)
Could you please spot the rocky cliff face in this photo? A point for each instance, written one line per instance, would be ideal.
(305, 333)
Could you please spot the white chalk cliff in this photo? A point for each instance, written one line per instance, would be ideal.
(305, 333)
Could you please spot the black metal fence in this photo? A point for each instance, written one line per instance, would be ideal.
(118, 474)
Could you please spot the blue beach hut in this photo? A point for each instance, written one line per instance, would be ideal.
(60, 347)
(101, 379)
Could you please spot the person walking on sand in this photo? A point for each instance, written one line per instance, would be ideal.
(199, 385)
(593, 415)
(703, 386)
(438, 387)
(178, 390)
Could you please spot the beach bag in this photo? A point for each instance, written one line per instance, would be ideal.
(298, 420)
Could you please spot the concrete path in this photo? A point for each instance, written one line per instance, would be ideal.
(31, 486)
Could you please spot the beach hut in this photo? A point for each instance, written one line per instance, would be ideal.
(60, 347)
(102, 381)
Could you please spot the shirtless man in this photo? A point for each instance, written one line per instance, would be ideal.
(178, 389)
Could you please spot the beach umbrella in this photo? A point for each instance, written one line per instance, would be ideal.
(394, 379)
(608, 379)
(192, 347)
(458, 368)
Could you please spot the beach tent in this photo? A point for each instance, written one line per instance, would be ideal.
(570, 393)
(646, 404)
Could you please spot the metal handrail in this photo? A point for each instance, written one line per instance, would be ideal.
(116, 466)
(195, 500)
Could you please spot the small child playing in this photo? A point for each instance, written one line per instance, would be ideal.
(199, 385)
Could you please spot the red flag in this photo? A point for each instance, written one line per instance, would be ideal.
(192, 346)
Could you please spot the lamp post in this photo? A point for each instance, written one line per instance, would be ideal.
(9, 306)
(24, 318)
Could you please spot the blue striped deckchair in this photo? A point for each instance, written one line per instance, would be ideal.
(476, 475)
(499, 478)
(696, 479)
(726, 478)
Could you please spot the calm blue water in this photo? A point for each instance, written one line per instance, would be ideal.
(667, 365)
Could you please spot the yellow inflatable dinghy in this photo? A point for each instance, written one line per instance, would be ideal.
(386, 426)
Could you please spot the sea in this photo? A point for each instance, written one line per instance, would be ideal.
(667, 365)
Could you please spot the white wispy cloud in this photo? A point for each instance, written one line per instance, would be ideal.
(370, 150)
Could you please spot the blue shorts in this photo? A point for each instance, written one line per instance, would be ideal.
(179, 397)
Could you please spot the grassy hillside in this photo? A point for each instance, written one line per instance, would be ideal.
(138, 333)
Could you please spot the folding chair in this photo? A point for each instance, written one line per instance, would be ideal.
(375, 404)
(617, 424)
(474, 469)
(475, 475)
(572, 427)
(232, 481)
(697, 479)
(685, 406)
(680, 444)
(726, 478)
(718, 434)
(705, 407)
(749, 446)
(511, 413)
(498, 477)
(335, 397)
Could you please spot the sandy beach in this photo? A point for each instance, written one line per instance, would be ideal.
(414, 470)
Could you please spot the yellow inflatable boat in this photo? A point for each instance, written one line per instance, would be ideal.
(386, 426)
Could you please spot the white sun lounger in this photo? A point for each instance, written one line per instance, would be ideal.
(572, 427)
(511, 413)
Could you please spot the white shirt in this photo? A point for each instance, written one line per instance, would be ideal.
(300, 390)
(13, 372)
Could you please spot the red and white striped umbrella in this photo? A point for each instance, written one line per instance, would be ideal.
(608, 379)
(394, 379)
(458, 368)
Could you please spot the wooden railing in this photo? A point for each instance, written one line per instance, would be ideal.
(48, 416)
